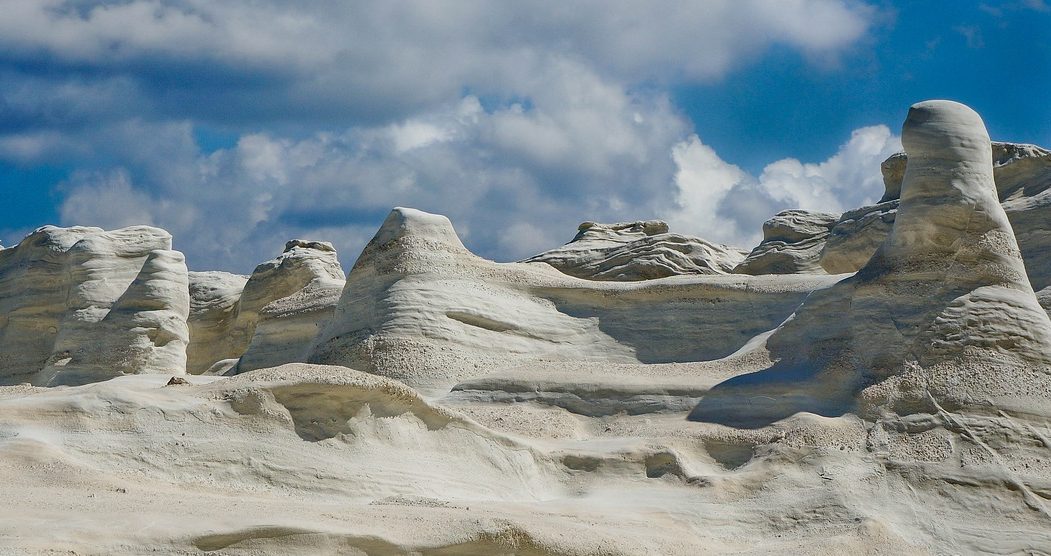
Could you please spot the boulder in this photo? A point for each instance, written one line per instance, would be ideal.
(792, 244)
(641, 250)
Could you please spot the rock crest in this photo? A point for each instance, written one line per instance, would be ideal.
(641, 250)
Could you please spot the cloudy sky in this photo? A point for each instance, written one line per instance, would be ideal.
(237, 125)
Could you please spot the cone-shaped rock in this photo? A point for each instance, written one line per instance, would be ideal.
(942, 314)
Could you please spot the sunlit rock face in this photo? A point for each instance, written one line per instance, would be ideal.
(82, 304)
(943, 313)
(792, 244)
(287, 301)
(642, 250)
(1022, 174)
(214, 334)
(420, 307)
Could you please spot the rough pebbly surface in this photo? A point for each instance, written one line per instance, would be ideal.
(792, 244)
(642, 250)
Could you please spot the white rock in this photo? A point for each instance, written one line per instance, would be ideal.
(792, 244)
(82, 304)
(943, 315)
(420, 307)
(214, 336)
(1023, 180)
(285, 303)
(640, 250)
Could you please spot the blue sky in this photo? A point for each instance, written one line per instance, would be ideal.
(238, 125)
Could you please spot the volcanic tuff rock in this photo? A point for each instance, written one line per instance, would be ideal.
(942, 316)
(792, 244)
(1023, 182)
(286, 302)
(420, 307)
(640, 250)
(214, 336)
(82, 304)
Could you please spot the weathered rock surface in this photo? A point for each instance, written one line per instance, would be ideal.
(285, 303)
(642, 250)
(942, 316)
(82, 304)
(214, 334)
(1022, 174)
(792, 244)
(420, 307)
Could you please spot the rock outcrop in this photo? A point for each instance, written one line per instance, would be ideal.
(285, 303)
(641, 250)
(242, 323)
(792, 244)
(420, 307)
(1022, 174)
(214, 334)
(81, 304)
(941, 316)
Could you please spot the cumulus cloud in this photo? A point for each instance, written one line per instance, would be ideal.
(518, 120)
(390, 59)
(720, 201)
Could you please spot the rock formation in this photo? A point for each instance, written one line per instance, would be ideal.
(640, 250)
(214, 334)
(270, 318)
(792, 244)
(1023, 180)
(943, 315)
(420, 307)
(286, 302)
(82, 304)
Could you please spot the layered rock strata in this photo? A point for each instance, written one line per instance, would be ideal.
(1022, 174)
(792, 244)
(83, 304)
(641, 250)
(286, 302)
(420, 307)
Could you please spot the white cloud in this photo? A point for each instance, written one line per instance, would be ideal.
(518, 120)
(721, 202)
(390, 59)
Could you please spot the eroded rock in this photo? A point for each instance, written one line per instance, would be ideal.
(792, 244)
(641, 250)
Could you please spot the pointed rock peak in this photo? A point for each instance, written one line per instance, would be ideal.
(307, 244)
(405, 222)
